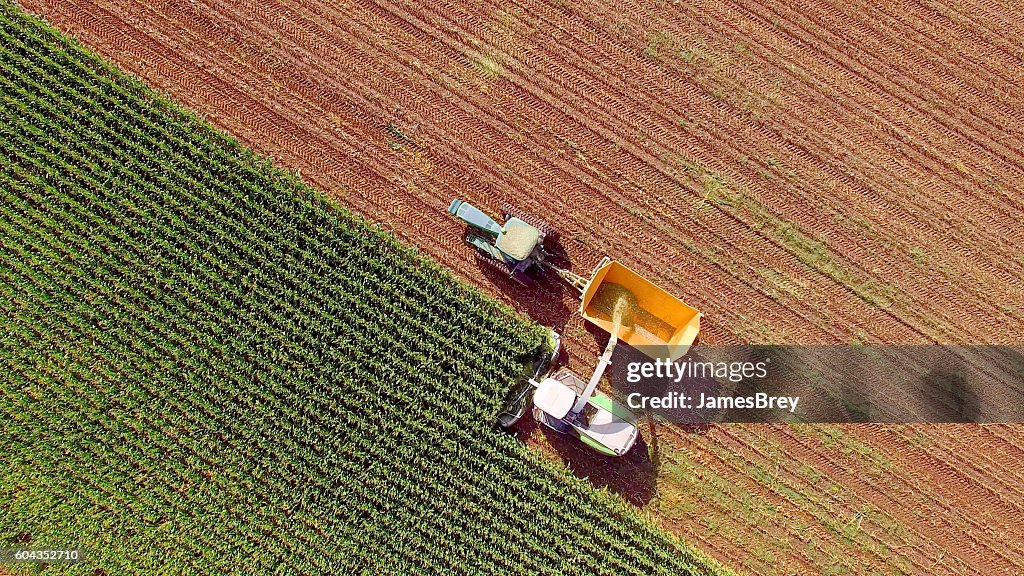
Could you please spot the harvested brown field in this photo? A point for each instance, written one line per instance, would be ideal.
(822, 172)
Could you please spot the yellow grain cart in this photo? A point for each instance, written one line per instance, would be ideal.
(659, 319)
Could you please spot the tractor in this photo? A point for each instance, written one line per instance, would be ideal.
(516, 248)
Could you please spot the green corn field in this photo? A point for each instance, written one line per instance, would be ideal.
(207, 368)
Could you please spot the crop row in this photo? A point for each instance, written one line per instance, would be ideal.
(208, 368)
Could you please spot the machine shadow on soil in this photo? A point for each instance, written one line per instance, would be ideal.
(632, 476)
(544, 302)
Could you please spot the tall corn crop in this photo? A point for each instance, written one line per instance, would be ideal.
(207, 368)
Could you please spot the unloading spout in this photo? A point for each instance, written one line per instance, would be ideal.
(602, 365)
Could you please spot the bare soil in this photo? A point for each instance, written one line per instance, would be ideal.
(823, 172)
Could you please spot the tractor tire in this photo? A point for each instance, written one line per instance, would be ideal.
(523, 279)
(486, 261)
(550, 234)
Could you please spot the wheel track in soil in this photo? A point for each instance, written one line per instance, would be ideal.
(341, 172)
(996, 38)
(1012, 442)
(964, 50)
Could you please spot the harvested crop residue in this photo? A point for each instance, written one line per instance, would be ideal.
(619, 305)
(518, 239)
